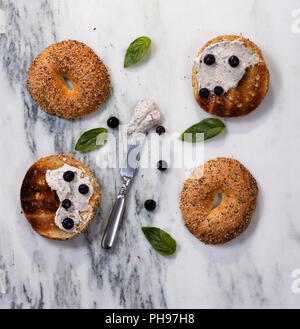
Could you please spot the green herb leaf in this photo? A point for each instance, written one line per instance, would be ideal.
(160, 240)
(209, 127)
(136, 50)
(91, 140)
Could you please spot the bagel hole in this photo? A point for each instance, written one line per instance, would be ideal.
(68, 83)
(218, 200)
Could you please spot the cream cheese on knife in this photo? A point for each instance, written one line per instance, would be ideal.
(146, 115)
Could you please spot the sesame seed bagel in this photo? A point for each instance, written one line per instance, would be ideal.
(249, 92)
(39, 202)
(232, 216)
(76, 62)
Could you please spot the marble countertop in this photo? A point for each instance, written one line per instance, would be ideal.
(254, 270)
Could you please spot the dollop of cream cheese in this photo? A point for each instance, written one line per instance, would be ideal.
(146, 115)
(221, 73)
(69, 190)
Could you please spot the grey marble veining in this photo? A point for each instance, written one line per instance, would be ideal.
(126, 276)
(253, 270)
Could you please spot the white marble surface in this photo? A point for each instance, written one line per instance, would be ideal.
(253, 270)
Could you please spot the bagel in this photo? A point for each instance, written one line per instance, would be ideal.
(40, 203)
(251, 88)
(232, 216)
(76, 62)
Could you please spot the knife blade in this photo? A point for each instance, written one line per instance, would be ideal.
(132, 161)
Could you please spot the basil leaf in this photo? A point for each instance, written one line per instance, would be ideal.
(160, 240)
(91, 140)
(209, 127)
(136, 50)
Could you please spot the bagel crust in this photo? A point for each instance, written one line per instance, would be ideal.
(250, 91)
(76, 62)
(232, 216)
(39, 203)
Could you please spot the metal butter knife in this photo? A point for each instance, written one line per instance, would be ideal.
(127, 174)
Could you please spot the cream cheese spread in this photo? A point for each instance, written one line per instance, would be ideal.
(69, 190)
(221, 73)
(146, 115)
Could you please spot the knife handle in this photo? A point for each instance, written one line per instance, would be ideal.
(115, 216)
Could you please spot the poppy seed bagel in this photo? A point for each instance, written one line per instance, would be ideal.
(76, 62)
(247, 95)
(40, 204)
(232, 216)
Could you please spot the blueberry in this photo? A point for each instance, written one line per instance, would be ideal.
(113, 122)
(204, 93)
(66, 203)
(69, 176)
(209, 59)
(160, 130)
(233, 61)
(162, 165)
(150, 205)
(83, 189)
(218, 90)
(68, 223)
